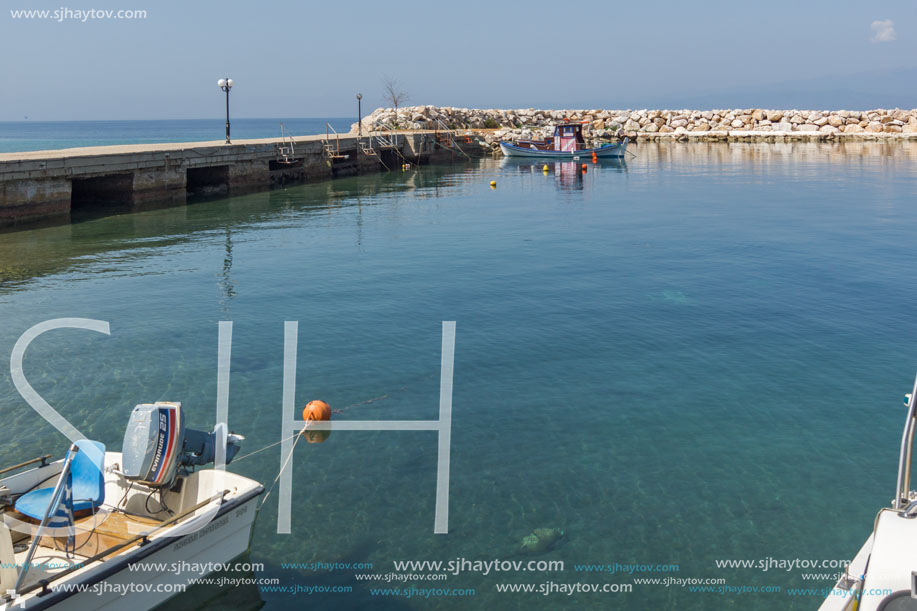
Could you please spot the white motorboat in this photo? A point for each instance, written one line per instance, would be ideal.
(84, 532)
(883, 574)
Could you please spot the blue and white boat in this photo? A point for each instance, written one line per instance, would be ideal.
(71, 529)
(567, 143)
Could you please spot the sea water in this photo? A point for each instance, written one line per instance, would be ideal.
(692, 356)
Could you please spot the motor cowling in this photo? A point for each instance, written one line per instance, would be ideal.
(157, 446)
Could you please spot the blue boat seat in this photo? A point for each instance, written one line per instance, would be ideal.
(88, 484)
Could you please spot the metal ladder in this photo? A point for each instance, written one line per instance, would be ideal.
(450, 133)
(332, 151)
(286, 150)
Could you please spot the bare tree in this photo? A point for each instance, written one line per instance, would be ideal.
(393, 93)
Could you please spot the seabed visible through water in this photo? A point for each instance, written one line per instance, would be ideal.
(674, 360)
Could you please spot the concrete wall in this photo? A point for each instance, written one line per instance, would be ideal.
(38, 184)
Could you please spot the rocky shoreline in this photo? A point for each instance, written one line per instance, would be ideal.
(751, 124)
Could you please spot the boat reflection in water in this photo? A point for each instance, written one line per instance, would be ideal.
(568, 175)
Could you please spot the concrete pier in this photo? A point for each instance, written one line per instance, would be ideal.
(45, 184)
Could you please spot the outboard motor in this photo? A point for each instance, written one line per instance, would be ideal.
(157, 446)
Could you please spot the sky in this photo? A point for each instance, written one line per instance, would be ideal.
(295, 58)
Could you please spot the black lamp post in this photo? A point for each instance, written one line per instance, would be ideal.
(226, 84)
(359, 116)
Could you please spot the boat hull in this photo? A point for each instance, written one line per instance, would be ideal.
(226, 538)
(603, 152)
(188, 554)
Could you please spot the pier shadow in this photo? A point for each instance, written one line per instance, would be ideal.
(32, 250)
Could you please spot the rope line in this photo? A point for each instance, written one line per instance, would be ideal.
(285, 463)
(334, 411)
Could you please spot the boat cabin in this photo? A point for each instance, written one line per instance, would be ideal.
(567, 137)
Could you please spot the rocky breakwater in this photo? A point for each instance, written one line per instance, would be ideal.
(734, 124)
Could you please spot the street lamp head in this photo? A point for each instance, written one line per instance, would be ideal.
(230, 83)
(359, 96)
(221, 83)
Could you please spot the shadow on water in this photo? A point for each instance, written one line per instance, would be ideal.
(64, 244)
(246, 596)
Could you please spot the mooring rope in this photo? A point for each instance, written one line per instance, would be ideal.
(285, 463)
(340, 410)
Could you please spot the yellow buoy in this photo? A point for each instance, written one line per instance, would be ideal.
(545, 168)
(493, 184)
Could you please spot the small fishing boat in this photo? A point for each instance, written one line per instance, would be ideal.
(883, 574)
(567, 143)
(123, 530)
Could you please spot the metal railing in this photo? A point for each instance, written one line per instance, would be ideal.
(390, 141)
(332, 150)
(42, 459)
(49, 510)
(451, 135)
(907, 445)
(141, 539)
(286, 150)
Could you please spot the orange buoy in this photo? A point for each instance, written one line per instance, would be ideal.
(316, 410)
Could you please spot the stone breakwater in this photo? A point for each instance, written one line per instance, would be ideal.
(728, 124)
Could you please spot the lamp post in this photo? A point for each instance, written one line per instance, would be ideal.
(359, 117)
(226, 84)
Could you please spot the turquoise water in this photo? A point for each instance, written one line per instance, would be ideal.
(17, 136)
(694, 356)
